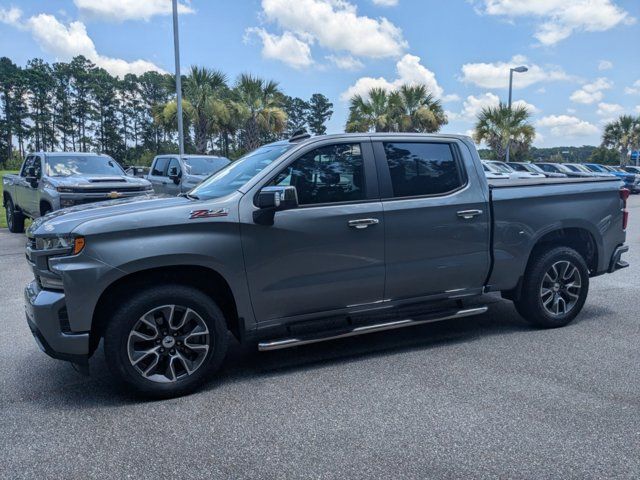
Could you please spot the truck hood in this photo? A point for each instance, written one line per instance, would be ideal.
(97, 181)
(66, 220)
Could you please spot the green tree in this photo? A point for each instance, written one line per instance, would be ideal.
(83, 102)
(297, 111)
(41, 86)
(258, 103)
(623, 135)
(500, 126)
(414, 109)
(605, 156)
(62, 109)
(103, 87)
(9, 77)
(320, 111)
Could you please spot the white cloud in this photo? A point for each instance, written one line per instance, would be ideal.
(567, 126)
(65, 42)
(386, 3)
(559, 19)
(336, 25)
(121, 10)
(286, 48)
(608, 109)
(496, 74)
(473, 105)
(605, 65)
(345, 62)
(450, 98)
(409, 70)
(634, 89)
(10, 16)
(591, 92)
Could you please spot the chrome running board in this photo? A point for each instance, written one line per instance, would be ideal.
(378, 327)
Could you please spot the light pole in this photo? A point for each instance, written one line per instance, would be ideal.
(176, 48)
(521, 69)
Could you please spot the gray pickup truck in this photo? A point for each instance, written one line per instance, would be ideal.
(308, 240)
(50, 181)
(175, 174)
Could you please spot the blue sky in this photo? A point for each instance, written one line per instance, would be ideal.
(584, 55)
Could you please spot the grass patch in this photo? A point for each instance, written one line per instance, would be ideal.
(3, 218)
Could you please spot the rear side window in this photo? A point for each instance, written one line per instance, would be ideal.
(160, 167)
(329, 174)
(423, 169)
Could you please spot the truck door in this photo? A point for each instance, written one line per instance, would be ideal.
(326, 254)
(158, 174)
(436, 218)
(26, 192)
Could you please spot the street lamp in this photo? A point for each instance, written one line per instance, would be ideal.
(176, 48)
(521, 69)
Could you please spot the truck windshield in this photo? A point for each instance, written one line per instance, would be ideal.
(65, 166)
(204, 165)
(236, 174)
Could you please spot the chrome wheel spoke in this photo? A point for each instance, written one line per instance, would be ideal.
(560, 288)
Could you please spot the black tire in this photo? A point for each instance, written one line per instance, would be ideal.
(44, 209)
(15, 220)
(127, 316)
(537, 302)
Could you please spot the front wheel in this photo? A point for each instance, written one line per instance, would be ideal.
(555, 288)
(164, 342)
(15, 219)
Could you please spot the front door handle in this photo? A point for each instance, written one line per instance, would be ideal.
(363, 223)
(469, 214)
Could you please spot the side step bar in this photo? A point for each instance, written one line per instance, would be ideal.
(378, 327)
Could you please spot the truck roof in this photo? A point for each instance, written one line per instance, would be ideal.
(62, 154)
(373, 135)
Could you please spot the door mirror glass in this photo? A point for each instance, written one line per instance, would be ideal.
(174, 174)
(273, 199)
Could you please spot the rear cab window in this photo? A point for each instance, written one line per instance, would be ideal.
(423, 168)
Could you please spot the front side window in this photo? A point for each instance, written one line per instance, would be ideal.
(160, 167)
(329, 174)
(68, 165)
(28, 163)
(423, 169)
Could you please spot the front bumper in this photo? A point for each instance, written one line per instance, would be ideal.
(616, 262)
(46, 317)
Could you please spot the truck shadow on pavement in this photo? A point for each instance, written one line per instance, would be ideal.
(69, 389)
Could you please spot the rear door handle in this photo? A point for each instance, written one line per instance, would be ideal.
(469, 214)
(363, 223)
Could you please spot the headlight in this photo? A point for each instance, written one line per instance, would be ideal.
(72, 245)
(64, 190)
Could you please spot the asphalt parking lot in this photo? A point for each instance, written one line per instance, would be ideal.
(478, 397)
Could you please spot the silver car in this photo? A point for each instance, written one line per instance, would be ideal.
(173, 175)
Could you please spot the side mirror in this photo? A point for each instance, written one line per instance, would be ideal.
(30, 176)
(174, 175)
(271, 200)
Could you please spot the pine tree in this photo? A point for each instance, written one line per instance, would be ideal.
(320, 111)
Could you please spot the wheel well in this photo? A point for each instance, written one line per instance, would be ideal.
(45, 207)
(579, 239)
(5, 198)
(204, 279)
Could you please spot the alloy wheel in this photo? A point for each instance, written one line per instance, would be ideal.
(560, 288)
(168, 343)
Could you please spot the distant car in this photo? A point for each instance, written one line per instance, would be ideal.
(550, 167)
(631, 181)
(533, 168)
(504, 168)
(580, 168)
(631, 169)
(173, 175)
(492, 174)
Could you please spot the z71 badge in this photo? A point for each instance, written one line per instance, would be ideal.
(219, 212)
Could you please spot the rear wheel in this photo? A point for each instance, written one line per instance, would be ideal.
(15, 219)
(165, 341)
(555, 288)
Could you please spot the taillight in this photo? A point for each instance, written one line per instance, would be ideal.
(624, 195)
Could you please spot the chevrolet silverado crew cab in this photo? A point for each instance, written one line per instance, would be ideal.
(175, 174)
(50, 181)
(313, 239)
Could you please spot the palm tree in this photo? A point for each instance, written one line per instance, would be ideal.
(204, 90)
(411, 108)
(371, 114)
(415, 109)
(500, 126)
(622, 135)
(257, 104)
